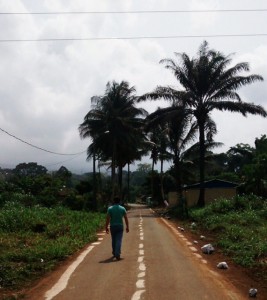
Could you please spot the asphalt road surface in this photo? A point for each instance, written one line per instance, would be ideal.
(158, 263)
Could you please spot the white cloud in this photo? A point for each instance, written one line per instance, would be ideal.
(206, 20)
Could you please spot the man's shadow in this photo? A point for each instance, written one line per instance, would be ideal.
(110, 260)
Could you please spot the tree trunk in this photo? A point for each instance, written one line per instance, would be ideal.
(201, 199)
(128, 183)
(182, 202)
(161, 180)
(120, 182)
(152, 179)
(178, 180)
(94, 183)
(113, 166)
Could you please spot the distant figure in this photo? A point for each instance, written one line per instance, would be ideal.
(115, 215)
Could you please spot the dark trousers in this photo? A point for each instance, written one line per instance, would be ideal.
(116, 236)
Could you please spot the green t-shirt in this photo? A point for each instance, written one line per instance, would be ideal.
(116, 213)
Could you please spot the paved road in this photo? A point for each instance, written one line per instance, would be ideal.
(157, 263)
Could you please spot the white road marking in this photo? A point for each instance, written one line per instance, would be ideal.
(142, 267)
(194, 249)
(140, 259)
(140, 283)
(101, 233)
(141, 274)
(137, 295)
(96, 243)
(100, 239)
(63, 281)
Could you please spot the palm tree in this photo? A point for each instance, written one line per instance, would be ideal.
(179, 133)
(115, 125)
(157, 143)
(209, 83)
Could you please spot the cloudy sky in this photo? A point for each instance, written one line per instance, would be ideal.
(46, 86)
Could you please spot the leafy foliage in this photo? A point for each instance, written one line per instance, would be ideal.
(34, 239)
(239, 225)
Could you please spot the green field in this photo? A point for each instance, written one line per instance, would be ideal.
(34, 240)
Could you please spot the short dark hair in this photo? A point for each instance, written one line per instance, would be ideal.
(117, 199)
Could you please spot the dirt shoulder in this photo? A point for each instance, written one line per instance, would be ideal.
(242, 278)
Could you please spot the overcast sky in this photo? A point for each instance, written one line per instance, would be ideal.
(46, 86)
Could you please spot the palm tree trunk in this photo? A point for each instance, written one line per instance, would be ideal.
(152, 179)
(201, 199)
(161, 179)
(113, 166)
(128, 183)
(182, 202)
(178, 180)
(94, 182)
(120, 181)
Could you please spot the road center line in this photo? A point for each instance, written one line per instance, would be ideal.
(141, 252)
(137, 295)
(140, 259)
(140, 283)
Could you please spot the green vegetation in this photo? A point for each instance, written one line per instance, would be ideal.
(240, 228)
(33, 240)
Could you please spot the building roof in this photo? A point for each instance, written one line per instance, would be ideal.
(211, 184)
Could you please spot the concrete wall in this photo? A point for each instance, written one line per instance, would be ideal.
(210, 195)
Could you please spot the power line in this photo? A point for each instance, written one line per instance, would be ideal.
(134, 12)
(29, 144)
(131, 38)
(61, 162)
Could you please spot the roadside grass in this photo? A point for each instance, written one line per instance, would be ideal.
(240, 228)
(34, 240)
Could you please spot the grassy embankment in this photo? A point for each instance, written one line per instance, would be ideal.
(239, 228)
(33, 240)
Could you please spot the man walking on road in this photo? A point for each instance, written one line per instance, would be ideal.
(115, 216)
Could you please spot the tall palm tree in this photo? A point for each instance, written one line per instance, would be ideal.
(209, 83)
(115, 125)
(157, 144)
(179, 132)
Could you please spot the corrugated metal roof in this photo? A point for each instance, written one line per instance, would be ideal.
(214, 183)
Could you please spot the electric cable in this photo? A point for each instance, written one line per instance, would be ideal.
(132, 38)
(29, 144)
(60, 162)
(135, 12)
